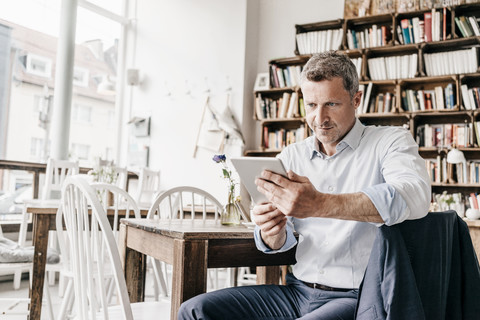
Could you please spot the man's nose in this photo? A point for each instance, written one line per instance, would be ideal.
(322, 115)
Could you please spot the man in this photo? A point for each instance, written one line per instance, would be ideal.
(343, 181)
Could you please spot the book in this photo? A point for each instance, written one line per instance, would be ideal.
(427, 18)
(421, 99)
(466, 26)
(449, 96)
(387, 102)
(475, 26)
(405, 105)
(282, 112)
(301, 107)
(405, 31)
(400, 35)
(415, 27)
(465, 98)
(444, 24)
(259, 107)
(428, 100)
(367, 97)
(439, 98)
(292, 106)
(379, 107)
(361, 87)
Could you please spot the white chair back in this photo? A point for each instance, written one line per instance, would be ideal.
(121, 177)
(148, 186)
(117, 199)
(92, 249)
(55, 174)
(175, 203)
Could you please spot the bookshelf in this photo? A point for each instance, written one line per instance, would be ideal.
(430, 84)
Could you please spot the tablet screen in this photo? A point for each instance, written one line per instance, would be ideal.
(250, 168)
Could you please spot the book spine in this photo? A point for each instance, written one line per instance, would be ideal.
(427, 17)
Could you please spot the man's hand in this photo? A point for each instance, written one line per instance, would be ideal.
(272, 225)
(295, 196)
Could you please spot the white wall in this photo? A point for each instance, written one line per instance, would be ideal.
(225, 41)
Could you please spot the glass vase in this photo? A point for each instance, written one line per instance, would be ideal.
(230, 215)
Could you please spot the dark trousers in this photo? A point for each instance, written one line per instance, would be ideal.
(292, 301)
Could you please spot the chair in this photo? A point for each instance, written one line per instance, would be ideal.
(425, 268)
(121, 177)
(184, 202)
(55, 174)
(148, 187)
(122, 201)
(93, 249)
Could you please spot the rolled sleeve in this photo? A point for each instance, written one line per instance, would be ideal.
(289, 243)
(389, 203)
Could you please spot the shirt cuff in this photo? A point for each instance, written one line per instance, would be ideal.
(389, 203)
(289, 243)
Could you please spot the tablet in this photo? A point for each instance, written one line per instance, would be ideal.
(249, 168)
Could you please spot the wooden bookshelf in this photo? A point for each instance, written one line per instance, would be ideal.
(451, 40)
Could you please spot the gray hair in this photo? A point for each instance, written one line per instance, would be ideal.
(329, 65)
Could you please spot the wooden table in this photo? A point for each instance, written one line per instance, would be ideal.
(44, 215)
(191, 246)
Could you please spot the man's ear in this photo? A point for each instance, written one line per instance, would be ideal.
(357, 98)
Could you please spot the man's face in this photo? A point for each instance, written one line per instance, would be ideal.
(330, 112)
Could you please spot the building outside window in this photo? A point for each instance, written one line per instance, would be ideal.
(80, 151)
(29, 42)
(82, 113)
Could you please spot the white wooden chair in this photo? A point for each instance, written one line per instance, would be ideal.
(184, 202)
(122, 177)
(93, 253)
(121, 202)
(55, 174)
(148, 187)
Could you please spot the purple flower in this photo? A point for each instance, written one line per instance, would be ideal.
(219, 158)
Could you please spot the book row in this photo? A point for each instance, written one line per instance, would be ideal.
(447, 135)
(283, 77)
(433, 27)
(382, 103)
(290, 105)
(373, 36)
(276, 139)
(423, 100)
(319, 41)
(440, 171)
(451, 62)
(468, 26)
(394, 67)
(470, 97)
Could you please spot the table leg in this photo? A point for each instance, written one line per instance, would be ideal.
(134, 264)
(189, 272)
(268, 275)
(40, 241)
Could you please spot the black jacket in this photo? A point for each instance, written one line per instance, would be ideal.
(422, 269)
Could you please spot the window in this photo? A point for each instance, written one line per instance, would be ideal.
(80, 151)
(80, 77)
(82, 114)
(39, 66)
(36, 148)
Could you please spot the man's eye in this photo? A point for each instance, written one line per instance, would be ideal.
(331, 104)
(311, 105)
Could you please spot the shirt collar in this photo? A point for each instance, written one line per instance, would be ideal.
(352, 139)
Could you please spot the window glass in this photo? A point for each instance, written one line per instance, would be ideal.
(28, 45)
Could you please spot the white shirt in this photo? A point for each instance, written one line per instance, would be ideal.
(381, 162)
